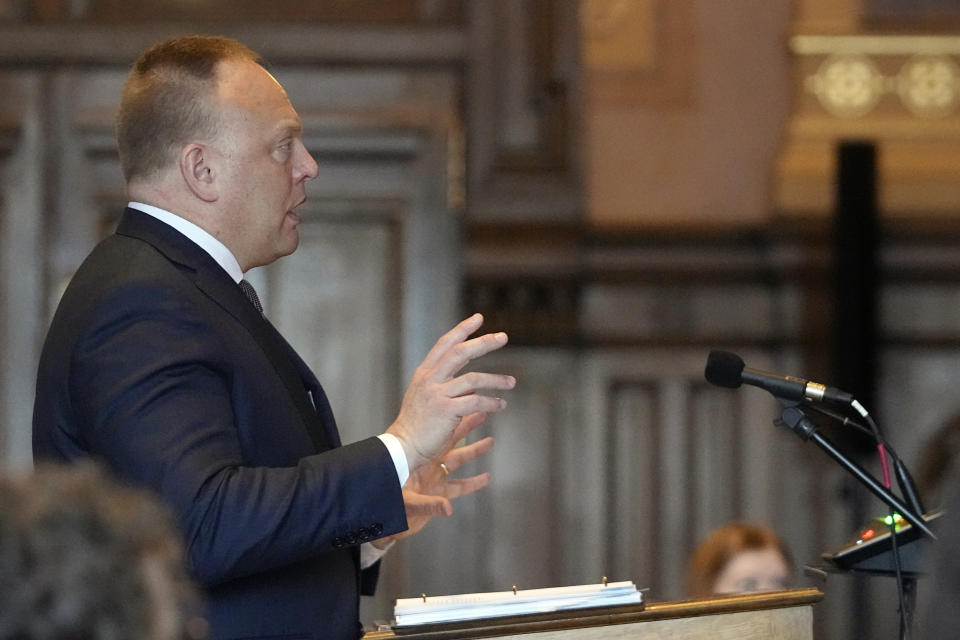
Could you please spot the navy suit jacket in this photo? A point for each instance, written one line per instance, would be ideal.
(157, 366)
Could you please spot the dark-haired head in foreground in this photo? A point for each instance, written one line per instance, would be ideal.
(83, 558)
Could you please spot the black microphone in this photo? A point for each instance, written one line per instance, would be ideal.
(726, 369)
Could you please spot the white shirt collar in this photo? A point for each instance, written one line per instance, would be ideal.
(217, 250)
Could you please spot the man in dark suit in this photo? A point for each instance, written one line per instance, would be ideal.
(159, 363)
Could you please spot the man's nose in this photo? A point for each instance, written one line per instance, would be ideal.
(307, 165)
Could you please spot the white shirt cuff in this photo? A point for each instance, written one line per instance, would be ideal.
(398, 455)
(369, 554)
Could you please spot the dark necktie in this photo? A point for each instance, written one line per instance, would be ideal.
(251, 294)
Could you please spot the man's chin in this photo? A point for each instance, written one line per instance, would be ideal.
(290, 233)
(292, 241)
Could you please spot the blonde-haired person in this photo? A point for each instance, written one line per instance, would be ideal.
(739, 557)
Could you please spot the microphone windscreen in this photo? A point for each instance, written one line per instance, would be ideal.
(724, 369)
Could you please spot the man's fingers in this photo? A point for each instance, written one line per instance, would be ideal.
(459, 355)
(475, 403)
(474, 381)
(423, 505)
(466, 425)
(465, 486)
(462, 455)
(470, 422)
(431, 417)
(456, 335)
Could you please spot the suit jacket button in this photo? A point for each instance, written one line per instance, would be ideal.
(338, 543)
(364, 534)
(376, 530)
(350, 538)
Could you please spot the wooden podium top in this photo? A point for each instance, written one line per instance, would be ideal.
(605, 616)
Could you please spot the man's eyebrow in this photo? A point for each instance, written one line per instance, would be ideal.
(290, 127)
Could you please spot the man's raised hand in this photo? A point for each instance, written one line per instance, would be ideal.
(439, 396)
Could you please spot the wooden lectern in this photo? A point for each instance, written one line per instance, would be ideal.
(780, 615)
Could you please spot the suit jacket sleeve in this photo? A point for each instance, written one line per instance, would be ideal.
(167, 400)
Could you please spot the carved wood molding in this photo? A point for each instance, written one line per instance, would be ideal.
(901, 92)
(526, 280)
(71, 43)
(352, 11)
(565, 285)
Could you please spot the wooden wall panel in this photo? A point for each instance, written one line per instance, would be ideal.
(672, 462)
(23, 150)
(524, 111)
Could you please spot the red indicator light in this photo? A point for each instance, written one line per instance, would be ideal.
(869, 533)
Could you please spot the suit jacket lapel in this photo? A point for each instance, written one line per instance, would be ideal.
(210, 278)
(317, 395)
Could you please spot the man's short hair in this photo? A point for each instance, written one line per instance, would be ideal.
(83, 557)
(167, 100)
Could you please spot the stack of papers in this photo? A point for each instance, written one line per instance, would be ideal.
(472, 606)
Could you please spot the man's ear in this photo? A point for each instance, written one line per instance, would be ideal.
(198, 171)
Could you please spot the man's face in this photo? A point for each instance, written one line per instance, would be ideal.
(262, 162)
